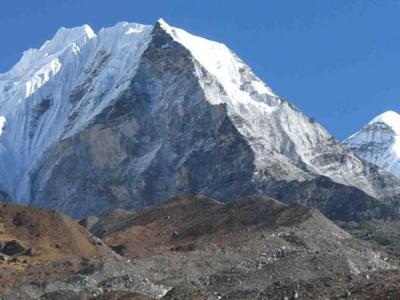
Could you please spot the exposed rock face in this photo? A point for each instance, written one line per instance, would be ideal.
(337, 201)
(183, 116)
(161, 138)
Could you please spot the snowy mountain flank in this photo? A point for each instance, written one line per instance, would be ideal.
(135, 114)
(379, 142)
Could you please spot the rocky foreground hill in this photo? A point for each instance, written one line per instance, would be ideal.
(192, 248)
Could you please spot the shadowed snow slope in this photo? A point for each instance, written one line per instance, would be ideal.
(135, 114)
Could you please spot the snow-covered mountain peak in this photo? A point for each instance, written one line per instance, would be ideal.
(379, 141)
(162, 23)
(218, 59)
(65, 36)
(40, 93)
(244, 94)
(37, 66)
(390, 118)
(157, 110)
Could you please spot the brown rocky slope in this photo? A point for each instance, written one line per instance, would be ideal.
(255, 248)
(191, 248)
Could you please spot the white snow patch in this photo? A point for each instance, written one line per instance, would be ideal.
(133, 30)
(40, 77)
(2, 124)
(261, 88)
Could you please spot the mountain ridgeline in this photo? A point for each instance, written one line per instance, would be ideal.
(136, 114)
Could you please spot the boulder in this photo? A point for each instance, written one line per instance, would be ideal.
(11, 248)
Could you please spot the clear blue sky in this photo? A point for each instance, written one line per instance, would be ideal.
(338, 60)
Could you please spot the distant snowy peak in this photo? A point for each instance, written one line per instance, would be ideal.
(379, 142)
(389, 118)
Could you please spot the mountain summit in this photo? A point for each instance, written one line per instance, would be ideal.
(379, 142)
(135, 114)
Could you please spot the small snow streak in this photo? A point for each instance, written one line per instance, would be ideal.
(2, 124)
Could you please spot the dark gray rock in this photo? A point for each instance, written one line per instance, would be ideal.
(11, 248)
